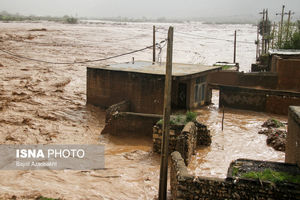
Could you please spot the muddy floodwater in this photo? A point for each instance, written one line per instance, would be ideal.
(44, 103)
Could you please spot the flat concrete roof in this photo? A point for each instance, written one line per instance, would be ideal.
(146, 67)
(288, 52)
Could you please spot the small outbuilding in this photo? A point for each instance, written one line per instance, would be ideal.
(142, 84)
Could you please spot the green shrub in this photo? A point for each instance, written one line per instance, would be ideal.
(190, 116)
(180, 119)
(277, 123)
(293, 42)
(273, 176)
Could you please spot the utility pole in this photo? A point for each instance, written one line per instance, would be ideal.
(281, 25)
(234, 48)
(288, 24)
(267, 31)
(273, 35)
(257, 44)
(163, 180)
(263, 32)
(154, 46)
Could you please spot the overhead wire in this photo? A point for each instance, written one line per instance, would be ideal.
(79, 62)
(207, 37)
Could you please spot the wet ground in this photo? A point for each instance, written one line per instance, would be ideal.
(46, 104)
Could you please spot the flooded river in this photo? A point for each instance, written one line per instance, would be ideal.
(46, 104)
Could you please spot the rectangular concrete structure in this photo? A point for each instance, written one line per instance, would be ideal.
(142, 84)
(292, 152)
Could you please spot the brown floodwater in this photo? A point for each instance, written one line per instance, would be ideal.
(239, 139)
(46, 104)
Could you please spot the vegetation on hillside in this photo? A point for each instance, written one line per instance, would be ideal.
(7, 17)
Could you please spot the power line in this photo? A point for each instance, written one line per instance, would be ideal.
(207, 37)
(78, 62)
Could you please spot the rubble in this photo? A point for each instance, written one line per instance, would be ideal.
(276, 134)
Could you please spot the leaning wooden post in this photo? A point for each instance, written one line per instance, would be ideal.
(163, 180)
(234, 48)
(154, 45)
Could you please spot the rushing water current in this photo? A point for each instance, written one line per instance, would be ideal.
(46, 104)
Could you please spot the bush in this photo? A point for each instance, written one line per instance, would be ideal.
(70, 20)
(190, 116)
(181, 119)
(293, 43)
(292, 40)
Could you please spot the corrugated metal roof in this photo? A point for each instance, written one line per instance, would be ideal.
(178, 69)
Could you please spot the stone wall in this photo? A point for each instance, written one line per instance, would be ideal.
(292, 153)
(185, 186)
(175, 131)
(187, 141)
(272, 101)
(203, 134)
(184, 139)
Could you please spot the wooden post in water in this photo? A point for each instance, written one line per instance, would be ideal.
(223, 119)
(257, 44)
(263, 33)
(234, 48)
(267, 31)
(153, 59)
(163, 180)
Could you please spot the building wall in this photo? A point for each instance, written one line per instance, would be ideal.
(185, 186)
(258, 80)
(288, 74)
(205, 96)
(131, 124)
(143, 91)
(272, 101)
(292, 153)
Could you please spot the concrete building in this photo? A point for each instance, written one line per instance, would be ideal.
(278, 54)
(286, 63)
(142, 84)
